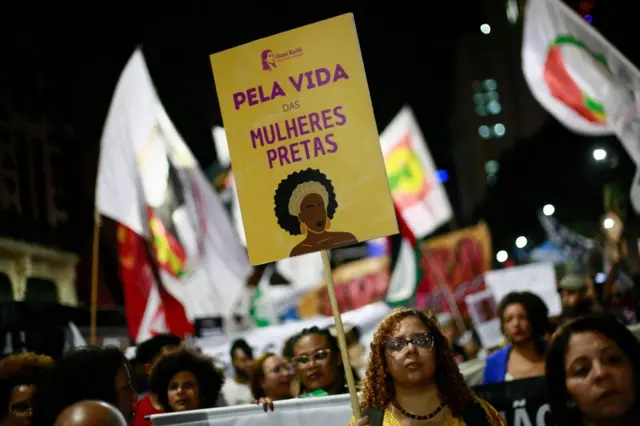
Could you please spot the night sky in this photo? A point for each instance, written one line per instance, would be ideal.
(407, 52)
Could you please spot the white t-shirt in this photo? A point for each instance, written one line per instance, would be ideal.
(235, 393)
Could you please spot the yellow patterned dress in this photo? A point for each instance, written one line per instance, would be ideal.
(492, 415)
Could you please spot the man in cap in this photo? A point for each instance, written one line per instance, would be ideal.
(577, 299)
(91, 413)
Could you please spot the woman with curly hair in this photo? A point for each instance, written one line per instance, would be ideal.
(185, 380)
(524, 318)
(413, 377)
(305, 203)
(593, 373)
(20, 377)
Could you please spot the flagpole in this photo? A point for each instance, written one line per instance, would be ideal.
(95, 267)
(448, 294)
(342, 340)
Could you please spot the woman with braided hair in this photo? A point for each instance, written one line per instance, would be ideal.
(305, 203)
(413, 378)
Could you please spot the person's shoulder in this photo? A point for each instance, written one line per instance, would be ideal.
(499, 354)
(144, 406)
(495, 419)
(231, 387)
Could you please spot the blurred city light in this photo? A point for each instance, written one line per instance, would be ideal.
(485, 28)
(599, 154)
(548, 210)
(512, 11)
(442, 176)
(502, 256)
(608, 223)
(491, 167)
(521, 242)
(499, 129)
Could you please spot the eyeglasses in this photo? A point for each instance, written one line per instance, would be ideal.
(281, 368)
(423, 340)
(319, 355)
(20, 408)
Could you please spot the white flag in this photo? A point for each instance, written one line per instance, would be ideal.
(149, 181)
(578, 76)
(420, 198)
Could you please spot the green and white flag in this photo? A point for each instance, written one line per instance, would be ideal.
(578, 76)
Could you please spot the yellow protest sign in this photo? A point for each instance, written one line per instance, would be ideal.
(303, 140)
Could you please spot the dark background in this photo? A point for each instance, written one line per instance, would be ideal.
(408, 53)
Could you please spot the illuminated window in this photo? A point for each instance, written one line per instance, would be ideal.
(491, 167)
(499, 129)
(486, 98)
(494, 107)
(490, 84)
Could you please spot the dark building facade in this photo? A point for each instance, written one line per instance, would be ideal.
(493, 106)
(34, 172)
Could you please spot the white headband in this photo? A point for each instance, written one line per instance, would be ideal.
(304, 189)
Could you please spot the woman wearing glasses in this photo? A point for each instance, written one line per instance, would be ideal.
(413, 378)
(317, 362)
(271, 378)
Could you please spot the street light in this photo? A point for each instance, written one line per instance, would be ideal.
(548, 210)
(485, 28)
(502, 256)
(521, 242)
(599, 154)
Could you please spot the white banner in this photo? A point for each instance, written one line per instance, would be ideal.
(319, 411)
(538, 278)
(484, 315)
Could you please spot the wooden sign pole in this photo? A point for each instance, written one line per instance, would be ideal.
(342, 340)
(95, 267)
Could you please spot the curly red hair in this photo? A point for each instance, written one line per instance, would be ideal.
(378, 389)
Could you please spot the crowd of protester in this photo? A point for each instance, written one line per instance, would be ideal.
(590, 359)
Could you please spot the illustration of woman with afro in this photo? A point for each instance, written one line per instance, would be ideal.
(305, 203)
